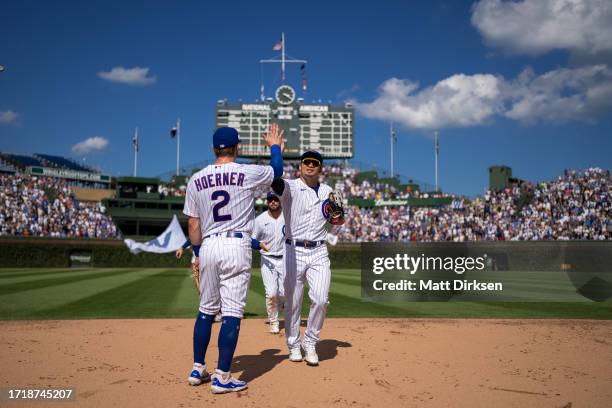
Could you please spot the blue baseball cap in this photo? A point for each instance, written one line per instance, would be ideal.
(225, 137)
(271, 196)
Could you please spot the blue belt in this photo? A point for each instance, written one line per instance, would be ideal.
(230, 234)
(305, 244)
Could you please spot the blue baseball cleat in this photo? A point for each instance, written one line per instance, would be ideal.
(195, 378)
(223, 383)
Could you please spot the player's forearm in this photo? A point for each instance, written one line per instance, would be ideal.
(276, 160)
(195, 234)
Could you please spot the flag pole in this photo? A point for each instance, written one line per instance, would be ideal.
(135, 143)
(436, 150)
(392, 142)
(283, 56)
(178, 143)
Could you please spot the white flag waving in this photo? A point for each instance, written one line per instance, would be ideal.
(169, 241)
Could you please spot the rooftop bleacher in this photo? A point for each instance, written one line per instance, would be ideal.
(20, 161)
(6, 168)
(62, 162)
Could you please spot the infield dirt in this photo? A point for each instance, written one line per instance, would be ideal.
(364, 363)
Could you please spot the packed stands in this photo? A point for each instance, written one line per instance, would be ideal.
(572, 207)
(45, 207)
(575, 206)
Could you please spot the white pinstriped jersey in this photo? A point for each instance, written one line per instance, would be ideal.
(304, 210)
(270, 230)
(222, 196)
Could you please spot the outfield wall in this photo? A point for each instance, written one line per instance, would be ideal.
(66, 253)
(514, 255)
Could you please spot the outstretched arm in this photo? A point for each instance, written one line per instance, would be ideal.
(274, 140)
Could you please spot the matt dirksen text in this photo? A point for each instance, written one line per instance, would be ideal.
(428, 284)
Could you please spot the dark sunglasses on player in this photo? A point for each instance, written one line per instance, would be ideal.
(313, 162)
(273, 199)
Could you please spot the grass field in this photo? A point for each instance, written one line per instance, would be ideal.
(156, 293)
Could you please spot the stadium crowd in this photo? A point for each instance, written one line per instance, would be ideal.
(575, 206)
(45, 207)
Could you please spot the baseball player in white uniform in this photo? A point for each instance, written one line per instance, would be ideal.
(269, 228)
(306, 208)
(220, 204)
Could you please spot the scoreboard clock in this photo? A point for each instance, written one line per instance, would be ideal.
(323, 127)
(285, 95)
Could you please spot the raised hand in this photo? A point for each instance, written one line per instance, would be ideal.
(275, 136)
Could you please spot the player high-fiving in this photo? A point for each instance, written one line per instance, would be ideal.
(220, 204)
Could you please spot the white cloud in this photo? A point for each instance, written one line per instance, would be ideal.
(8, 117)
(89, 145)
(460, 100)
(346, 92)
(471, 100)
(534, 27)
(130, 76)
(560, 95)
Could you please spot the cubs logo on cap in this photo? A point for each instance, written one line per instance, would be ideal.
(225, 137)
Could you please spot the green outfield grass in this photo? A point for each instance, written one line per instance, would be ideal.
(159, 293)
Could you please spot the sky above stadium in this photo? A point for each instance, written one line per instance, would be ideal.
(526, 84)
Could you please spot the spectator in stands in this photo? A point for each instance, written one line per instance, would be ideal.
(575, 206)
(45, 207)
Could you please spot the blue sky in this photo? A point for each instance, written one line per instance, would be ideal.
(498, 90)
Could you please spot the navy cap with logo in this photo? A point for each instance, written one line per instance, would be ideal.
(225, 137)
(312, 154)
(271, 196)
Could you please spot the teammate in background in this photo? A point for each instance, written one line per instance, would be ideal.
(307, 210)
(220, 204)
(269, 228)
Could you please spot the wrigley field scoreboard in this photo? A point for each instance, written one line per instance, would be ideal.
(322, 127)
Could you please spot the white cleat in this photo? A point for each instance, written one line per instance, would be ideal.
(295, 354)
(312, 359)
(274, 328)
(223, 383)
(198, 375)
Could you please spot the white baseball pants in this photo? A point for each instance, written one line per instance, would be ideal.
(309, 265)
(225, 273)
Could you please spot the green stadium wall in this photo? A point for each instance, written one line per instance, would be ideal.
(57, 253)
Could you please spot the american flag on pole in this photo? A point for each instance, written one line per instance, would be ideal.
(278, 46)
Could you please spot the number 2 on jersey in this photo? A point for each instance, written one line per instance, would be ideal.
(224, 195)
